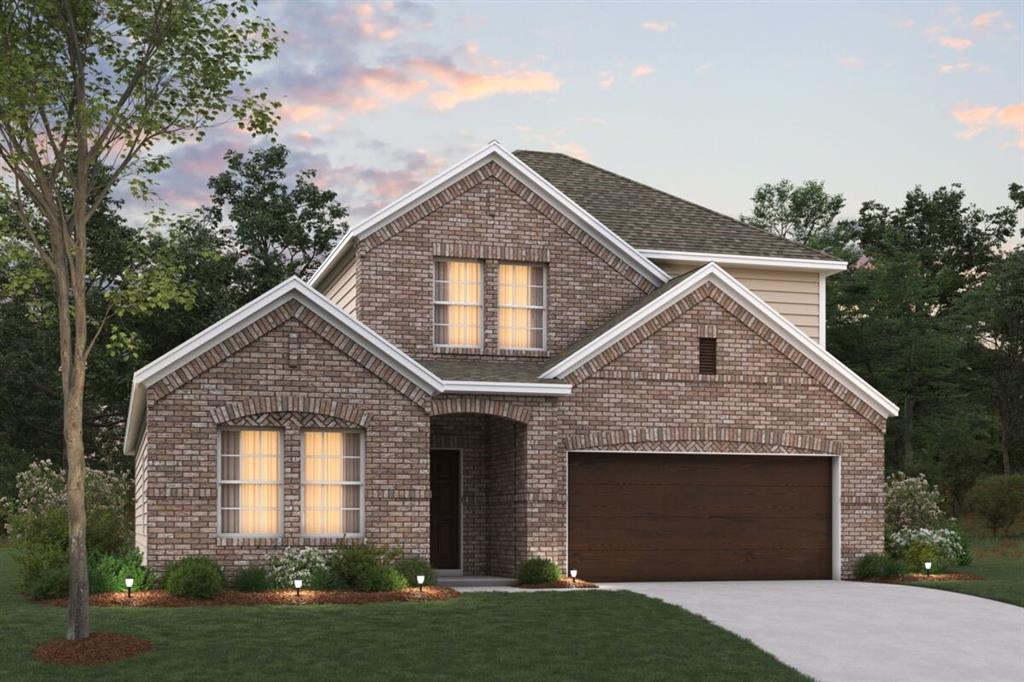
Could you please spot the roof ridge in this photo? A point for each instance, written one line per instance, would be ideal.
(676, 198)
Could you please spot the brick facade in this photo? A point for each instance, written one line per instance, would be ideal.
(291, 370)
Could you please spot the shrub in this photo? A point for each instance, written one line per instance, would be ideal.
(998, 498)
(538, 570)
(195, 576)
(379, 578)
(308, 564)
(37, 522)
(253, 579)
(108, 572)
(366, 568)
(912, 503)
(410, 568)
(944, 547)
(878, 566)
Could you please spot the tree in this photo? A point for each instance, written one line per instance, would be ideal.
(994, 311)
(1000, 499)
(277, 231)
(90, 84)
(804, 213)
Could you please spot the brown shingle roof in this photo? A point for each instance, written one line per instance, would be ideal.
(648, 218)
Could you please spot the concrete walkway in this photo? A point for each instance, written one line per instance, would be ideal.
(859, 632)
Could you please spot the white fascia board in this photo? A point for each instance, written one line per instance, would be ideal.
(787, 330)
(507, 388)
(536, 182)
(770, 262)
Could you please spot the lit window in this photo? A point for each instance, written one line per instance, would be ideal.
(250, 482)
(521, 306)
(332, 483)
(458, 303)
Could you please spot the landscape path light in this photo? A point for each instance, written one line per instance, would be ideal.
(129, 583)
(572, 574)
(928, 568)
(420, 579)
(298, 586)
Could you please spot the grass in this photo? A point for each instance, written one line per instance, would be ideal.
(999, 560)
(587, 634)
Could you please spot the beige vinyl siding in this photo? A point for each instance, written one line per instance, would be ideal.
(791, 293)
(141, 497)
(341, 286)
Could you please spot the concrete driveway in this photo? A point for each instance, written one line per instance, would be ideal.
(852, 631)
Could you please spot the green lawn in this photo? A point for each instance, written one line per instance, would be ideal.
(1000, 561)
(596, 635)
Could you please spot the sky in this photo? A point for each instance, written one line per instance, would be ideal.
(703, 100)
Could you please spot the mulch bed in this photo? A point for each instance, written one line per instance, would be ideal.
(98, 648)
(564, 583)
(924, 577)
(233, 598)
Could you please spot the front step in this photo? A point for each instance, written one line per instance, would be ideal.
(475, 581)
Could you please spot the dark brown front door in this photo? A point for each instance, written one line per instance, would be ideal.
(641, 516)
(445, 511)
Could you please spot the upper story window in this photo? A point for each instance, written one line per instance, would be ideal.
(250, 482)
(522, 306)
(332, 483)
(458, 303)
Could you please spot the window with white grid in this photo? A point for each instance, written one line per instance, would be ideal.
(250, 482)
(332, 483)
(458, 303)
(522, 306)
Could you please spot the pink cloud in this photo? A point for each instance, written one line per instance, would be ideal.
(641, 70)
(986, 19)
(453, 86)
(851, 61)
(958, 44)
(977, 120)
(951, 68)
(606, 79)
(657, 26)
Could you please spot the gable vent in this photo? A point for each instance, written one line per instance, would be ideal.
(708, 356)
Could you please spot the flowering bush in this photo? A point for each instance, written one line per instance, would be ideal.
(308, 564)
(943, 547)
(37, 522)
(912, 503)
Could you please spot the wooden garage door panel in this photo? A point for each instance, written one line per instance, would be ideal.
(784, 564)
(671, 533)
(652, 516)
(696, 500)
(670, 469)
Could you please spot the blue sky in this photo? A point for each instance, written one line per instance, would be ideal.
(704, 100)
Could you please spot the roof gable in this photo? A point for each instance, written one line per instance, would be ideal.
(668, 295)
(653, 220)
(494, 152)
(294, 289)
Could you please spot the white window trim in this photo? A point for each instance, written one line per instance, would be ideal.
(361, 483)
(221, 482)
(435, 303)
(543, 307)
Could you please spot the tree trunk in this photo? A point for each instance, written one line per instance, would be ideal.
(74, 445)
(1004, 439)
(907, 433)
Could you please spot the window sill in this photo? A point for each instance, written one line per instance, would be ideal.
(294, 541)
(497, 352)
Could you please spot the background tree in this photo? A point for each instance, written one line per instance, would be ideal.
(87, 84)
(804, 213)
(994, 311)
(275, 230)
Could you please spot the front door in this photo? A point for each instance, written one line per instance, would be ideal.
(445, 509)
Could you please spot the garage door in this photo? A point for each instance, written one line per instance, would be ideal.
(644, 516)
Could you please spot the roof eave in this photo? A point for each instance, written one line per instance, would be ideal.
(768, 262)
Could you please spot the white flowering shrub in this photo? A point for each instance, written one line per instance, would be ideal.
(943, 547)
(309, 564)
(911, 502)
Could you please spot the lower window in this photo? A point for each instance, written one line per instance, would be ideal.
(250, 482)
(332, 483)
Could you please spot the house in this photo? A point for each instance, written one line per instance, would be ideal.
(525, 356)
